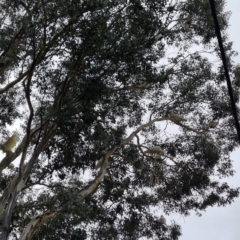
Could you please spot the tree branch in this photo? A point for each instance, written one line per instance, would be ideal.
(35, 224)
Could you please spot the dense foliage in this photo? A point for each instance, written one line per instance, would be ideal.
(94, 82)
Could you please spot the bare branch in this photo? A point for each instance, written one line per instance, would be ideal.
(38, 221)
(92, 187)
(8, 190)
(35, 224)
(8, 159)
(133, 134)
(27, 94)
(11, 84)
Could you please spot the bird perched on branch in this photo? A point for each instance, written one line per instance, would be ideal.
(155, 149)
(170, 70)
(99, 164)
(162, 219)
(177, 117)
(9, 144)
(212, 124)
(187, 24)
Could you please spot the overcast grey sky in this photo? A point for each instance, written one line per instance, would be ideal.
(221, 223)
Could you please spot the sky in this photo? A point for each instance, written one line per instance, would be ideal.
(221, 223)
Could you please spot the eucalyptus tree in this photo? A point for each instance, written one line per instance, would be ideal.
(97, 89)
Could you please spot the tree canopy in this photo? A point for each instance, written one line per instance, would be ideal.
(123, 116)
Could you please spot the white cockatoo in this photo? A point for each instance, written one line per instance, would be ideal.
(99, 164)
(177, 117)
(154, 150)
(162, 219)
(8, 146)
(212, 124)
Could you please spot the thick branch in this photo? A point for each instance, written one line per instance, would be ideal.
(134, 133)
(11, 84)
(94, 184)
(35, 224)
(27, 94)
(21, 181)
(8, 159)
(8, 190)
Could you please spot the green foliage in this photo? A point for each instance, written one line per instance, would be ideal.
(87, 74)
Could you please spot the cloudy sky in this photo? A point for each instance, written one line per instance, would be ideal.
(221, 223)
